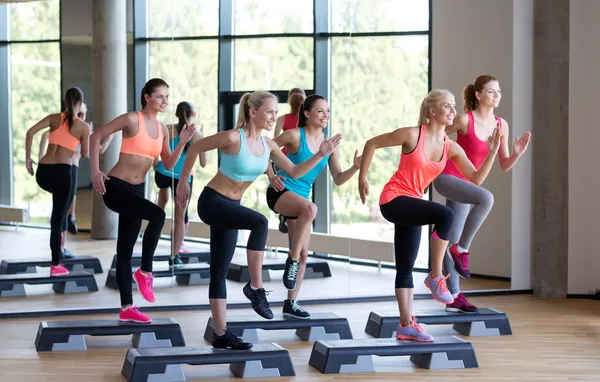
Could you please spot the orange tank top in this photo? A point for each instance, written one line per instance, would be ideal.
(415, 172)
(142, 143)
(62, 136)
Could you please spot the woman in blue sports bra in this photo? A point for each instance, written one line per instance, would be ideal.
(295, 205)
(166, 179)
(245, 154)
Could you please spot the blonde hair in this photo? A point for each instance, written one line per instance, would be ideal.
(433, 99)
(251, 101)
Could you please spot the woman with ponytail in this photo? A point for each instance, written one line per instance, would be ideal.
(144, 139)
(57, 171)
(473, 128)
(245, 155)
(169, 179)
(425, 151)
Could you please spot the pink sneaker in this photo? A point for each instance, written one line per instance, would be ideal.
(58, 270)
(133, 314)
(144, 284)
(183, 249)
(461, 261)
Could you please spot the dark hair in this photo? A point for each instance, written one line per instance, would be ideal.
(149, 88)
(295, 101)
(72, 97)
(308, 104)
(183, 112)
(251, 101)
(470, 101)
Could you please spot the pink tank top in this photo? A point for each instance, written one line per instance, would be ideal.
(475, 148)
(415, 172)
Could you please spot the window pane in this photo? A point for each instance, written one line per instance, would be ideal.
(190, 69)
(35, 20)
(283, 16)
(273, 63)
(35, 93)
(379, 15)
(183, 18)
(377, 86)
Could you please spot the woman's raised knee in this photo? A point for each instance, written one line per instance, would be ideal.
(310, 210)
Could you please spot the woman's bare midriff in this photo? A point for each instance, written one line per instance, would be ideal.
(131, 168)
(228, 188)
(60, 155)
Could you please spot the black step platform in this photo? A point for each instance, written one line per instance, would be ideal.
(486, 322)
(164, 364)
(321, 326)
(73, 282)
(187, 274)
(315, 269)
(87, 264)
(355, 356)
(187, 258)
(68, 335)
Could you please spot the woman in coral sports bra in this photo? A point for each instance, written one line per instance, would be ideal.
(425, 151)
(58, 167)
(144, 139)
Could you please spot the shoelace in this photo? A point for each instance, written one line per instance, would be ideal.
(148, 279)
(293, 270)
(261, 296)
(464, 259)
(232, 339)
(442, 287)
(296, 306)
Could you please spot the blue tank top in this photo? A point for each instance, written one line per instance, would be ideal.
(176, 171)
(303, 185)
(243, 166)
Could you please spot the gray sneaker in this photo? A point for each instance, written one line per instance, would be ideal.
(413, 332)
(439, 289)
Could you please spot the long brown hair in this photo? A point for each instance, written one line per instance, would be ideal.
(470, 101)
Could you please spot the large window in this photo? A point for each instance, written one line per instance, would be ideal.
(183, 18)
(273, 16)
(35, 92)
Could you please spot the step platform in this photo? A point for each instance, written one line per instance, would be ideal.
(315, 269)
(486, 322)
(165, 364)
(73, 282)
(187, 258)
(187, 274)
(355, 356)
(321, 326)
(68, 335)
(87, 264)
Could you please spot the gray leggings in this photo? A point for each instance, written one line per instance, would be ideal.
(460, 195)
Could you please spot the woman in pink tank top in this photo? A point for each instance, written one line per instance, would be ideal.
(425, 151)
(473, 128)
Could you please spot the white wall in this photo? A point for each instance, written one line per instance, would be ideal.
(584, 135)
(473, 37)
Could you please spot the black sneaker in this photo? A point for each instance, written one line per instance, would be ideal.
(72, 225)
(290, 273)
(229, 340)
(258, 298)
(175, 261)
(283, 228)
(291, 308)
(66, 254)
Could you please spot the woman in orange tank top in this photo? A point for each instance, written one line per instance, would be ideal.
(144, 139)
(57, 170)
(425, 151)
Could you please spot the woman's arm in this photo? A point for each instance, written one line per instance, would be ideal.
(340, 177)
(217, 141)
(43, 143)
(279, 126)
(44, 123)
(169, 158)
(203, 155)
(464, 165)
(507, 161)
(85, 139)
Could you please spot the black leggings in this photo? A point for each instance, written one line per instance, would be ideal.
(128, 201)
(163, 181)
(225, 217)
(58, 180)
(408, 215)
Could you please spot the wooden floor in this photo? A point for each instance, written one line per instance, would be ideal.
(553, 340)
(346, 281)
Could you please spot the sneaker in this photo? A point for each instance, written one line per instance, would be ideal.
(290, 273)
(229, 340)
(258, 298)
(65, 254)
(413, 332)
(58, 270)
(133, 314)
(438, 288)
(144, 284)
(461, 261)
(283, 228)
(461, 305)
(175, 261)
(72, 225)
(183, 248)
(292, 309)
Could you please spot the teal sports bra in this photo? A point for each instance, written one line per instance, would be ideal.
(243, 166)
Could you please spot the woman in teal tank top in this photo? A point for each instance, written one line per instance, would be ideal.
(166, 179)
(300, 143)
